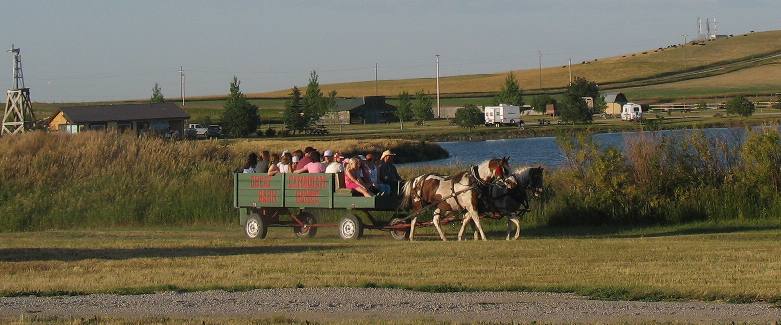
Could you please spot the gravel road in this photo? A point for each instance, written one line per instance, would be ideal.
(323, 304)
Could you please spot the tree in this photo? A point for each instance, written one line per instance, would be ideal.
(240, 117)
(422, 108)
(582, 87)
(404, 110)
(740, 106)
(293, 116)
(157, 95)
(600, 105)
(469, 116)
(314, 103)
(511, 92)
(539, 102)
(574, 109)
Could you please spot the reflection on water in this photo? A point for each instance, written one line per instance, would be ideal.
(545, 150)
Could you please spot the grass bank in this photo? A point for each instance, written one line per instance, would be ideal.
(732, 264)
(56, 181)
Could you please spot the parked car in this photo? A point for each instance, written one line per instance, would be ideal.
(214, 131)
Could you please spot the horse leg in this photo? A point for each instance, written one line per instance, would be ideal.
(437, 215)
(463, 226)
(412, 228)
(517, 223)
(509, 228)
(476, 218)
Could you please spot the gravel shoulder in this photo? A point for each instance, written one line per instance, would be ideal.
(327, 304)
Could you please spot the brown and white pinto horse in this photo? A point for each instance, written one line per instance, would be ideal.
(455, 194)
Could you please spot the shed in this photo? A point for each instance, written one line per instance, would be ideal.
(369, 109)
(615, 101)
(551, 109)
(139, 118)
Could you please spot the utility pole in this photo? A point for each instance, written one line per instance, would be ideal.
(539, 52)
(684, 49)
(181, 83)
(439, 111)
(570, 70)
(376, 69)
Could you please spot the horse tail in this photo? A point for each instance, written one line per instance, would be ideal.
(406, 200)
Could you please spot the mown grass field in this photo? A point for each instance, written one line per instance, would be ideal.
(603, 70)
(695, 261)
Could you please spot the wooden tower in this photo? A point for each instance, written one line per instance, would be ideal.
(18, 116)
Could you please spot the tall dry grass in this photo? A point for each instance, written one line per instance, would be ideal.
(55, 181)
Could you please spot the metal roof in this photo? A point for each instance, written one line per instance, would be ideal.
(612, 97)
(349, 104)
(123, 112)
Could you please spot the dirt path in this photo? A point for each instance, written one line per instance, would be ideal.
(392, 304)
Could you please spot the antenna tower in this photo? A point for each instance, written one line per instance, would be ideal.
(18, 116)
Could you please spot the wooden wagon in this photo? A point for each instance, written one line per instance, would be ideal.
(296, 201)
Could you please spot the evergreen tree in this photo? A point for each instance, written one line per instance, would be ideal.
(422, 108)
(240, 117)
(469, 116)
(511, 92)
(293, 116)
(157, 95)
(313, 101)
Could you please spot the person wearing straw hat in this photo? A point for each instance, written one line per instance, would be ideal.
(386, 171)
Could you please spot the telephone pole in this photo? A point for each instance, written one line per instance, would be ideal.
(570, 70)
(181, 83)
(376, 72)
(439, 111)
(539, 52)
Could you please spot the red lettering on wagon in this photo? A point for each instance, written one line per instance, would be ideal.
(260, 181)
(266, 196)
(307, 182)
(308, 199)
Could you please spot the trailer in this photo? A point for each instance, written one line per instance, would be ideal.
(502, 115)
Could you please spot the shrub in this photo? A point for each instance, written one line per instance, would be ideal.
(469, 117)
(270, 132)
(740, 106)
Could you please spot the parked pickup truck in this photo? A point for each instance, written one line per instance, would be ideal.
(196, 131)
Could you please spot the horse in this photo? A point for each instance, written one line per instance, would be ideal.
(514, 202)
(455, 194)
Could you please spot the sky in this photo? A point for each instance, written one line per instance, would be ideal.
(80, 50)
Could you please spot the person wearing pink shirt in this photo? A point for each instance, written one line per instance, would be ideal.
(315, 166)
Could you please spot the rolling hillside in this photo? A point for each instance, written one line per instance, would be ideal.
(655, 66)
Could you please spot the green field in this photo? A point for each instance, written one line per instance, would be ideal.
(695, 261)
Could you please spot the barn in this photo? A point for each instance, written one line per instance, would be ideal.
(614, 101)
(363, 110)
(139, 118)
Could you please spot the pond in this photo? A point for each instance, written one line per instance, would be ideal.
(545, 150)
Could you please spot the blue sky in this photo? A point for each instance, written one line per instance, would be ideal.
(80, 50)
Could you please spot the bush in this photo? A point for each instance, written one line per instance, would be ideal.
(270, 132)
(740, 106)
(469, 117)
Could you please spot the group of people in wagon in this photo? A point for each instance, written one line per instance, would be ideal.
(363, 174)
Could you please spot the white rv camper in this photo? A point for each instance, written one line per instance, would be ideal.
(631, 112)
(502, 115)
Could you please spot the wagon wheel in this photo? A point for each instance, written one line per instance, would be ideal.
(305, 231)
(255, 227)
(350, 227)
(399, 234)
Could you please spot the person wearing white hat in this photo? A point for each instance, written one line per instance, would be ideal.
(386, 172)
(331, 165)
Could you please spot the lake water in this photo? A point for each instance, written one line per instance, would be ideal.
(545, 150)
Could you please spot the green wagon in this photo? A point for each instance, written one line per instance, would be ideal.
(295, 201)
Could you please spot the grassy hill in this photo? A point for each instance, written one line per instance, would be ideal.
(621, 68)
